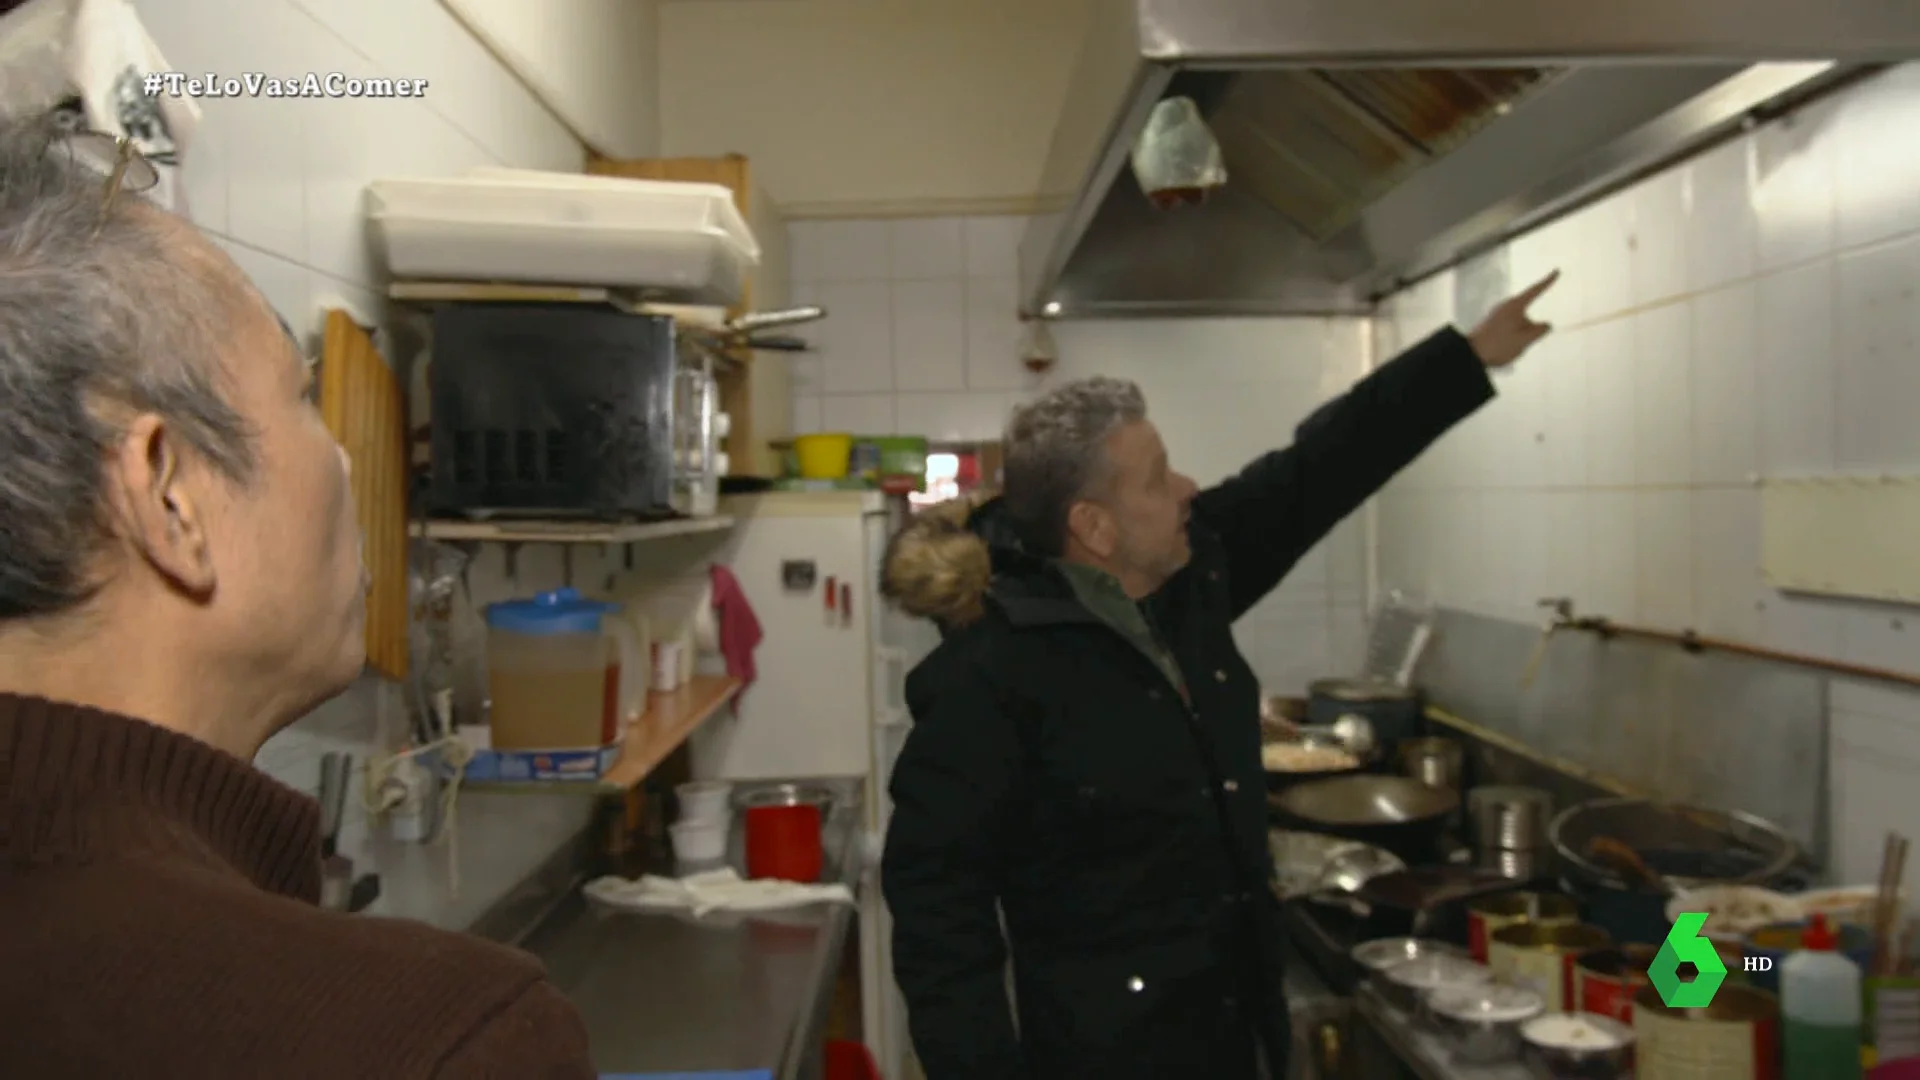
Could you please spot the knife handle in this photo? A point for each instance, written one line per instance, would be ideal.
(334, 769)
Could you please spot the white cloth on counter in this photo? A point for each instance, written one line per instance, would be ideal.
(710, 891)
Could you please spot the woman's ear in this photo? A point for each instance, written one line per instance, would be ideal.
(156, 510)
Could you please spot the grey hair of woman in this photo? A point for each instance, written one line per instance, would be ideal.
(109, 309)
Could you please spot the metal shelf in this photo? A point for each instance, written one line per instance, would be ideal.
(568, 532)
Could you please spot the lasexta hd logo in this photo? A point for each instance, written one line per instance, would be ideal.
(1684, 945)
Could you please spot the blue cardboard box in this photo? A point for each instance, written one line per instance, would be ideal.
(507, 766)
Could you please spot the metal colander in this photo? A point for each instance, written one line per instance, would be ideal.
(1688, 845)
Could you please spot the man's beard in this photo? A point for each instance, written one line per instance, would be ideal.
(1159, 567)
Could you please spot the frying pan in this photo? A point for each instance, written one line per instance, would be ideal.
(1397, 813)
(1310, 863)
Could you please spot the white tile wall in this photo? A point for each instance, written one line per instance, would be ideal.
(278, 185)
(1749, 312)
(922, 337)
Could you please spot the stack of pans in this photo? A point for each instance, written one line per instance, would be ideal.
(1510, 830)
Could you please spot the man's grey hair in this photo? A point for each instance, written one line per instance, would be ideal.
(103, 316)
(1055, 454)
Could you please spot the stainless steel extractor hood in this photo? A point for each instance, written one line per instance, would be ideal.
(1369, 143)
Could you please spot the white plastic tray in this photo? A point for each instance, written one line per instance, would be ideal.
(670, 202)
(682, 243)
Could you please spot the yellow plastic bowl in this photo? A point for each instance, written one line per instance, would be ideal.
(823, 457)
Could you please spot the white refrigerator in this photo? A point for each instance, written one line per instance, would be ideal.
(828, 699)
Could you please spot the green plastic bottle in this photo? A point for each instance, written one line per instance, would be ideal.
(1820, 1008)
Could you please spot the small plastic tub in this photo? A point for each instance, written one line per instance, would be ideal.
(705, 800)
(699, 841)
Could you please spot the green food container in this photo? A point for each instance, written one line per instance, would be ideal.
(900, 457)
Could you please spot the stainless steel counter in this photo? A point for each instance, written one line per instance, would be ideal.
(508, 849)
(670, 993)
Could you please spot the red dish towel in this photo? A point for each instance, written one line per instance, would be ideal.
(739, 627)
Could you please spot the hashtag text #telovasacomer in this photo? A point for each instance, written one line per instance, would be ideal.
(256, 84)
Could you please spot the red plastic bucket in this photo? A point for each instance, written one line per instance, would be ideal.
(783, 832)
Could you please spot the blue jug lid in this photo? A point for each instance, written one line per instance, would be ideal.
(562, 611)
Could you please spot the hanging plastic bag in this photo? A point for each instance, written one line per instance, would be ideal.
(108, 58)
(87, 62)
(1177, 159)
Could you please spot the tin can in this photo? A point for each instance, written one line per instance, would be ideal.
(1605, 980)
(1490, 913)
(1540, 958)
(1735, 1038)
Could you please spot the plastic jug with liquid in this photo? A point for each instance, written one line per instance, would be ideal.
(561, 673)
(1821, 1005)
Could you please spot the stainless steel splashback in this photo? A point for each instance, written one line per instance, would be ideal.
(1706, 728)
(1370, 142)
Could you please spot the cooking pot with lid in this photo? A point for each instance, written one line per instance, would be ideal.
(1393, 711)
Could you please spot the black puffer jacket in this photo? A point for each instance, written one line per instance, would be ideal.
(1055, 773)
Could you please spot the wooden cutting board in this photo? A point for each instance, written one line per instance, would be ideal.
(362, 403)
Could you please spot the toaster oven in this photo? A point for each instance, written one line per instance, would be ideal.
(551, 410)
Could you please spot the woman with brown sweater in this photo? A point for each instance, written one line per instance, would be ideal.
(180, 577)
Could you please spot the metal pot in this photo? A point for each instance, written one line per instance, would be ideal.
(1516, 866)
(1383, 953)
(1508, 817)
(1394, 711)
(1377, 956)
(1406, 985)
(1688, 845)
(1482, 1023)
(1397, 813)
(1435, 762)
(1580, 1045)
